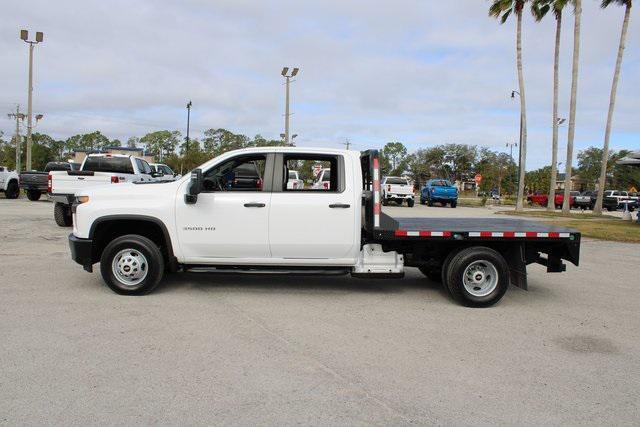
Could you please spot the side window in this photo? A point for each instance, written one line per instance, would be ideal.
(165, 170)
(143, 166)
(244, 173)
(310, 173)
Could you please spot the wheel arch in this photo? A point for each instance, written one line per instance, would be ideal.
(105, 229)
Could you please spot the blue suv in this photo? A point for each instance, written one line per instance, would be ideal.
(439, 191)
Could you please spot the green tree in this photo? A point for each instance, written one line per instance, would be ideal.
(162, 143)
(88, 141)
(540, 9)
(460, 159)
(502, 9)
(612, 97)
(538, 180)
(133, 142)
(393, 156)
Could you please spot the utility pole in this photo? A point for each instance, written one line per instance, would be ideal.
(288, 77)
(347, 143)
(18, 116)
(24, 35)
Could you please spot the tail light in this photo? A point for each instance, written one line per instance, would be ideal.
(295, 184)
(259, 184)
(389, 188)
(115, 179)
(325, 185)
(49, 187)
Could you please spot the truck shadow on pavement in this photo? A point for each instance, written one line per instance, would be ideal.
(303, 284)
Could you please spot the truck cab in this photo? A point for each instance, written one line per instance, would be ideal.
(237, 212)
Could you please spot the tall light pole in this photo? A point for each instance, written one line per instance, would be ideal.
(186, 148)
(288, 77)
(24, 35)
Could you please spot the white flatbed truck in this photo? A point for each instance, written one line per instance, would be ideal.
(204, 222)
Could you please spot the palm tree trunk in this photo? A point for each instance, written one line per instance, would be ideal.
(566, 205)
(554, 142)
(612, 103)
(523, 115)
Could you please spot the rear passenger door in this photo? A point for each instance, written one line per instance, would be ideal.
(313, 222)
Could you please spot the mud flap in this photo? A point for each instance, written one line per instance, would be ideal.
(515, 257)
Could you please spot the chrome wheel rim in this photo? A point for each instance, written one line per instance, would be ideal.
(130, 267)
(480, 278)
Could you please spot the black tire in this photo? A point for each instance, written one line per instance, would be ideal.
(62, 215)
(13, 190)
(422, 201)
(33, 195)
(558, 206)
(491, 260)
(152, 264)
(384, 202)
(433, 274)
(454, 204)
(410, 202)
(430, 202)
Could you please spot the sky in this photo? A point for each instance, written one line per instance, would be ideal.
(419, 72)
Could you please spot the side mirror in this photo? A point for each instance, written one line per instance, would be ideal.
(195, 187)
(157, 174)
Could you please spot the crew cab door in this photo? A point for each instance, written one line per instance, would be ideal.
(315, 222)
(231, 216)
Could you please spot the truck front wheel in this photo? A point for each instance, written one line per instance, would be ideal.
(13, 190)
(132, 265)
(477, 276)
(410, 202)
(62, 215)
(33, 195)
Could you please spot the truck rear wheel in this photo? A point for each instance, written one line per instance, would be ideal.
(132, 265)
(62, 215)
(410, 202)
(13, 191)
(477, 276)
(33, 195)
(454, 204)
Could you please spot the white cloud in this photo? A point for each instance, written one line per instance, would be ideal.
(415, 71)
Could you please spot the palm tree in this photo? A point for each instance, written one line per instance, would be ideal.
(540, 8)
(502, 9)
(612, 100)
(566, 204)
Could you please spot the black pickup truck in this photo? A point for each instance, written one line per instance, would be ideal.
(35, 183)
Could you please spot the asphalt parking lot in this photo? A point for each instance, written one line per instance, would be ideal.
(240, 350)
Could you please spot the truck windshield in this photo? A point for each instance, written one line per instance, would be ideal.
(108, 164)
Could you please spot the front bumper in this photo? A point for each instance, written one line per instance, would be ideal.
(81, 251)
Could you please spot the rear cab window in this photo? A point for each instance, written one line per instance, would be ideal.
(108, 164)
(311, 173)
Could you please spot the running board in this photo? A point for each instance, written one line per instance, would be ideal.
(263, 270)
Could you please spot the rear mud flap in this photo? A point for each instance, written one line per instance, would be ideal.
(515, 257)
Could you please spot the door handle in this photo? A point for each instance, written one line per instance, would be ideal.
(254, 205)
(339, 206)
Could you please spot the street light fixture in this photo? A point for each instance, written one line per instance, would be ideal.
(287, 76)
(186, 146)
(24, 36)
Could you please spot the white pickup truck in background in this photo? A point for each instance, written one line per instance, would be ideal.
(9, 183)
(398, 190)
(96, 170)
